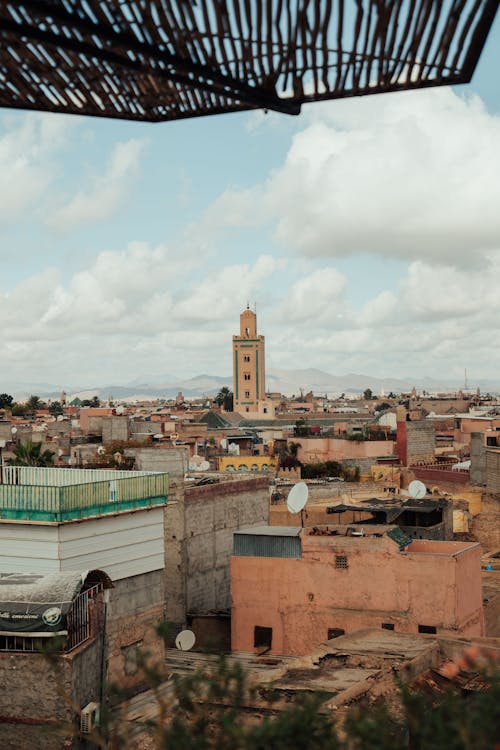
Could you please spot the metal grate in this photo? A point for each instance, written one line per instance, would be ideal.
(341, 562)
(157, 60)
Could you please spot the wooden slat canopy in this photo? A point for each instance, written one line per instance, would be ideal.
(160, 60)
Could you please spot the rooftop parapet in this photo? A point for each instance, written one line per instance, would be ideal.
(57, 495)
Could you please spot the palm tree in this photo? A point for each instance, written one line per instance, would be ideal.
(30, 454)
(225, 398)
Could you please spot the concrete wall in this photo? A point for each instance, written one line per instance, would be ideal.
(477, 459)
(136, 607)
(493, 472)
(420, 442)
(37, 691)
(199, 529)
(115, 429)
(302, 599)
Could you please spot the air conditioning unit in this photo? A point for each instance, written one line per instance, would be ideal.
(89, 717)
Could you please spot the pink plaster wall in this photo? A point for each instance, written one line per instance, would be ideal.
(301, 599)
(335, 449)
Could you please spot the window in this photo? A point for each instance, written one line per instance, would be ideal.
(335, 632)
(426, 629)
(247, 376)
(388, 626)
(262, 637)
(247, 394)
(246, 358)
(341, 562)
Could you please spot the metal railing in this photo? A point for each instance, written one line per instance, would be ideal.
(93, 493)
(83, 617)
(83, 620)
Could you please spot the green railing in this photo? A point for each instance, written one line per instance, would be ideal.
(72, 501)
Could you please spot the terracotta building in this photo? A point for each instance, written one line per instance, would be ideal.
(293, 588)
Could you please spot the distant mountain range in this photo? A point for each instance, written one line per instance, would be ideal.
(288, 382)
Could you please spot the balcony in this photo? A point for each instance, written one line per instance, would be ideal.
(58, 495)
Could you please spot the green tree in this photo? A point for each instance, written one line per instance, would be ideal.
(93, 402)
(5, 401)
(288, 456)
(56, 408)
(18, 410)
(34, 403)
(31, 454)
(367, 394)
(225, 398)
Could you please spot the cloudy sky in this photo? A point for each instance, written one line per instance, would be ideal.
(366, 231)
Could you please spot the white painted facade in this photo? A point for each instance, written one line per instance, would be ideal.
(124, 545)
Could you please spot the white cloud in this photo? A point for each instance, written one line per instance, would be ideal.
(100, 200)
(413, 175)
(141, 311)
(316, 299)
(28, 161)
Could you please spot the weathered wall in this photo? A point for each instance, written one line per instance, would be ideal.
(212, 513)
(136, 607)
(301, 599)
(477, 459)
(115, 429)
(37, 692)
(313, 450)
(420, 442)
(486, 525)
(493, 472)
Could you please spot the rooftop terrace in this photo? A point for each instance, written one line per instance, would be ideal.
(57, 495)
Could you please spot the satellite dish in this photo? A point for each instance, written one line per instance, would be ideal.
(13, 430)
(101, 451)
(204, 466)
(297, 497)
(185, 640)
(417, 489)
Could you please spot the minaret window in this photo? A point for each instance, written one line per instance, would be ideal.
(246, 358)
(247, 376)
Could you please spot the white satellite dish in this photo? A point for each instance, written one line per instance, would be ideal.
(417, 489)
(297, 497)
(13, 430)
(185, 640)
(101, 451)
(204, 466)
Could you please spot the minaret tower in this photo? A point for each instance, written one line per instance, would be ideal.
(249, 373)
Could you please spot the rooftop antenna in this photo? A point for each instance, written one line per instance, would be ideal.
(297, 500)
(185, 640)
(466, 385)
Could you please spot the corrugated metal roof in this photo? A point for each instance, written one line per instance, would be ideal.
(399, 537)
(249, 545)
(270, 531)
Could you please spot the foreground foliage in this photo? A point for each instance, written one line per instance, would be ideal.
(210, 711)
